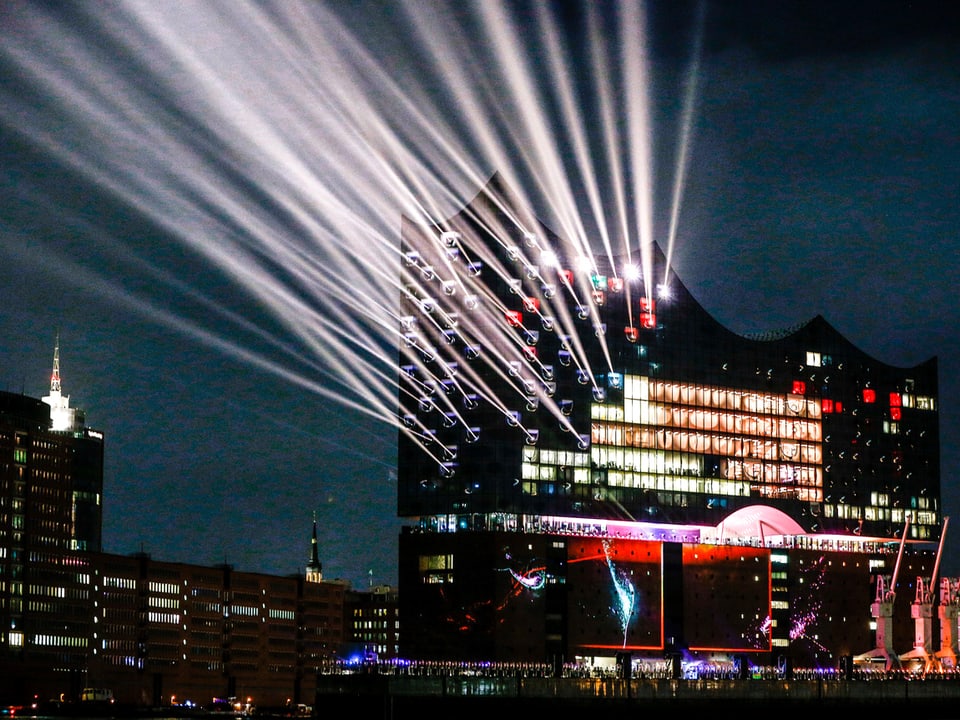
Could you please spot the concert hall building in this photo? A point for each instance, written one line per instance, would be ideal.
(594, 467)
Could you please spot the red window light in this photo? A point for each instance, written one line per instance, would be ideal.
(826, 404)
(531, 352)
(567, 275)
(648, 320)
(599, 297)
(647, 305)
(894, 413)
(895, 400)
(632, 334)
(531, 304)
(838, 406)
(799, 387)
(869, 395)
(615, 284)
(514, 318)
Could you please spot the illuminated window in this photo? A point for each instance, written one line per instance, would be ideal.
(813, 359)
(647, 305)
(894, 413)
(615, 284)
(514, 318)
(567, 276)
(598, 281)
(648, 320)
(799, 387)
(869, 395)
(895, 400)
(531, 304)
(826, 404)
(631, 333)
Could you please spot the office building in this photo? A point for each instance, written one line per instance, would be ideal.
(150, 633)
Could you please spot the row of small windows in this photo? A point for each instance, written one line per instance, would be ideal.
(376, 612)
(163, 602)
(59, 641)
(158, 617)
(120, 583)
(244, 610)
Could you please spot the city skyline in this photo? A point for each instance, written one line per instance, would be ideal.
(819, 179)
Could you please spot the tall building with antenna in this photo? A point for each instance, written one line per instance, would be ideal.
(593, 465)
(51, 485)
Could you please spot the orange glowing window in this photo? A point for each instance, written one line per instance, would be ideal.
(799, 387)
(895, 400)
(894, 413)
(648, 320)
(514, 318)
(826, 404)
(531, 304)
(869, 395)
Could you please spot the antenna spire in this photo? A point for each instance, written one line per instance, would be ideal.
(62, 416)
(55, 377)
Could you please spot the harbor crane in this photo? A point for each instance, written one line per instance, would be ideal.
(882, 611)
(922, 613)
(949, 611)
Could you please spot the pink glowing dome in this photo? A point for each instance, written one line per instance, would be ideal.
(758, 521)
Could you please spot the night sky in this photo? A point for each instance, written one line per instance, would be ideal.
(201, 198)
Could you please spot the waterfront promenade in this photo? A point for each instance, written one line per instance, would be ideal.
(390, 692)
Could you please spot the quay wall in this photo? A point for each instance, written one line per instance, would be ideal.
(394, 693)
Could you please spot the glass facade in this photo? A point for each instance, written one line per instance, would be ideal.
(534, 384)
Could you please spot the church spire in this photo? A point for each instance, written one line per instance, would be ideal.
(314, 568)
